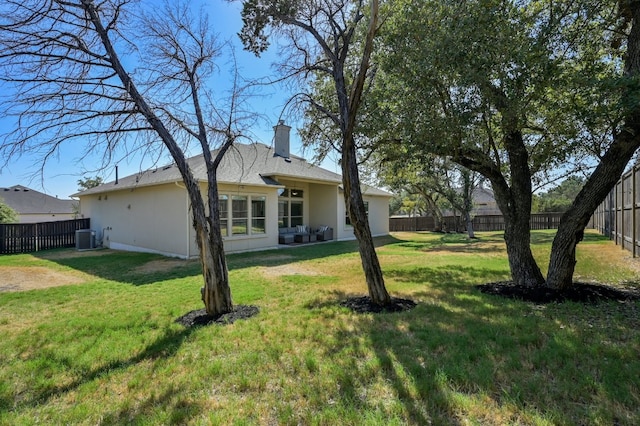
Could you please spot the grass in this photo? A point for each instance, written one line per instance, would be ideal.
(108, 351)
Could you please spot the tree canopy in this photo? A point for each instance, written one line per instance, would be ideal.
(560, 197)
(116, 78)
(516, 91)
(89, 182)
(7, 214)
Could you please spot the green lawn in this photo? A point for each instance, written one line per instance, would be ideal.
(108, 350)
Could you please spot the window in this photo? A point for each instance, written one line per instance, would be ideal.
(258, 213)
(239, 215)
(242, 214)
(296, 213)
(347, 220)
(283, 214)
(290, 208)
(223, 203)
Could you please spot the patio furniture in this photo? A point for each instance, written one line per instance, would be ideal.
(301, 238)
(298, 234)
(285, 237)
(324, 233)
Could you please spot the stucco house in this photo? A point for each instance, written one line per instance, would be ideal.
(34, 207)
(262, 189)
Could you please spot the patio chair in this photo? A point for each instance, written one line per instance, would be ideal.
(324, 233)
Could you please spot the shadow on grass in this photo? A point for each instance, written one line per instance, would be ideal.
(180, 411)
(469, 357)
(129, 267)
(163, 347)
(453, 242)
(446, 275)
(301, 253)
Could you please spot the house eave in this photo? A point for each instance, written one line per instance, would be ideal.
(298, 178)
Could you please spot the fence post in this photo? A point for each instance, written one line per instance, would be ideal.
(633, 210)
(615, 226)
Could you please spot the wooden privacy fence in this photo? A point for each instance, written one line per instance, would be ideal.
(480, 223)
(30, 237)
(618, 215)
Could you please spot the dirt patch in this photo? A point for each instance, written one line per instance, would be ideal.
(14, 278)
(162, 265)
(290, 269)
(275, 258)
(72, 253)
(579, 292)
(199, 317)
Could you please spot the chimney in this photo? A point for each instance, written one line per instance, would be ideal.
(116, 174)
(281, 140)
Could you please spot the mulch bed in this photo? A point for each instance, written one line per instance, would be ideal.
(363, 304)
(200, 317)
(579, 292)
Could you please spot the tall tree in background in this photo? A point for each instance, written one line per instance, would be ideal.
(433, 178)
(514, 91)
(7, 214)
(331, 43)
(88, 183)
(66, 61)
(560, 197)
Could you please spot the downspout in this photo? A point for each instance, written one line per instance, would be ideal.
(186, 196)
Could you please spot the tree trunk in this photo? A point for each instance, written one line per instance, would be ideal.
(360, 222)
(626, 142)
(432, 206)
(515, 205)
(524, 269)
(467, 200)
(216, 293)
(469, 223)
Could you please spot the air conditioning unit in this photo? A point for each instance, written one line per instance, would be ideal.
(85, 239)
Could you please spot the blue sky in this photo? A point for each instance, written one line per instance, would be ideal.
(62, 173)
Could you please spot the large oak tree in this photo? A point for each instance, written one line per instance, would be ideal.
(518, 91)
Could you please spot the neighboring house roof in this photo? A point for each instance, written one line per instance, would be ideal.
(27, 201)
(253, 164)
(483, 195)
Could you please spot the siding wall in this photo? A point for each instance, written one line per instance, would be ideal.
(152, 219)
(158, 219)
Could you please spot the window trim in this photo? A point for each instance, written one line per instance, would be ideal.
(347, 219)
(290, 196)
(227, 232)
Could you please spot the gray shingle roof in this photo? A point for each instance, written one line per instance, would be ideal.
(253, 164)
(27, 201)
